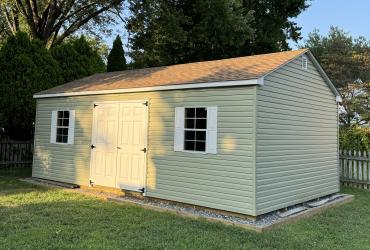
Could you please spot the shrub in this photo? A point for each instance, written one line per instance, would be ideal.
(354, 138)
(26, 67)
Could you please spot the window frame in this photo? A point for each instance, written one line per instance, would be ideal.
(195, 130)
(62, 126)
(55, 126)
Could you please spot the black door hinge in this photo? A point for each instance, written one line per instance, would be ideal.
(144, 150)
(92, 146)
(142, 190)
(146, 103)
(95, 105)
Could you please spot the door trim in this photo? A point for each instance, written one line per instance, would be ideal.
(146, 124)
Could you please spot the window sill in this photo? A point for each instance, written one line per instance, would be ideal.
(193, 152)
(60, 143)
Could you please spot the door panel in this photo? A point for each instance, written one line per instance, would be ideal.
(131, 141)
(104, 138)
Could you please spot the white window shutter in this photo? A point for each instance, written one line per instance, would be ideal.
(211, 140)
(179, 129)
(53, 126)
(71, 127)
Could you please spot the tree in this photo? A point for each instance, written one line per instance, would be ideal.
(116, 57)
(51, 21)
(179, 31)
(273, 24)
(169, 32)
(26, 67)
(77, 59)
(347, 63)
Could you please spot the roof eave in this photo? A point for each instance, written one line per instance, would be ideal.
(338, 97)
(255, 81)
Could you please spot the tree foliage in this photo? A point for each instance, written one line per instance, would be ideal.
(273, 24)
(171, 31)
(77, 59)
(116, 57)
(347, 62)
(26, 67)
(53, 21)
(354, 138)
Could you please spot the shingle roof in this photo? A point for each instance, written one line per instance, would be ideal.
(233, 69)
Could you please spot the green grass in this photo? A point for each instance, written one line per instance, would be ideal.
(33, 217)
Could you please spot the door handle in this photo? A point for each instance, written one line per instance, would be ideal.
(118, 147)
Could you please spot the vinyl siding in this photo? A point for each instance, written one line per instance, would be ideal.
(296, 138)
(222, 181)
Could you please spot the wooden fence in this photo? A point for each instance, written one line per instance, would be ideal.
(16, 154)
(355, 168)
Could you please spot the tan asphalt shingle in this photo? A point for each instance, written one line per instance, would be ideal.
(240, 68)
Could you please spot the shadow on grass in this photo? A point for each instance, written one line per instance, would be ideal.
(16, 172)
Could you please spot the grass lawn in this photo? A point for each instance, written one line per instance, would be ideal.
(34, 217)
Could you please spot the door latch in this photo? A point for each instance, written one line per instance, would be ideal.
(144, 150)
(92, 146)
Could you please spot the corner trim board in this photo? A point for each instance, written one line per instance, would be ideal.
(257, 81)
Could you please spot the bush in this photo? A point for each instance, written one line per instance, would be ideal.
(26, 67)
(354, 138)
(77, 59)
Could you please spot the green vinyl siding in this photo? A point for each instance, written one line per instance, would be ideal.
(296, 138)
(223, 181)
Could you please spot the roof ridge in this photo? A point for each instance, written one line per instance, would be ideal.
(208, 61)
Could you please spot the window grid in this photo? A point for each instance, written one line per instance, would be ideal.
(62, 127)
(195, 129)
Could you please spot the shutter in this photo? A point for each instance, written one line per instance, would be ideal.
(179, 129)
(211, 140)
(71, 127)
(53, 130)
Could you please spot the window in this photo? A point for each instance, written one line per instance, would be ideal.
(304, 62)
(62, 126)
(196, 129)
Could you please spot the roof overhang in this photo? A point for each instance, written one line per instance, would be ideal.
(257, 81)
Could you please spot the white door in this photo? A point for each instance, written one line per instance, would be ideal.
(119, 138)
(132, 134)
(104, 145)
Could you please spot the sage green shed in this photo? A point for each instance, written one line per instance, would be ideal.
(248, 135)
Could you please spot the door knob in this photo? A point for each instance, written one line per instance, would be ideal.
(118, 147)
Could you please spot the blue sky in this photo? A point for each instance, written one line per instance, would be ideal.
(351, 15)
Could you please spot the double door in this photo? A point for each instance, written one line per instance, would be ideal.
(118, 150)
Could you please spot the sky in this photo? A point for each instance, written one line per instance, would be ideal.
(351, 15)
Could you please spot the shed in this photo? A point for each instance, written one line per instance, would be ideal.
(247, 135)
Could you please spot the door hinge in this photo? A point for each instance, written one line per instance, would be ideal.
(92, 146)
(95, 105)
(142, 190)
(146, 103)
(144, 150)
(91, 183)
